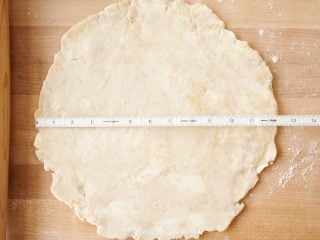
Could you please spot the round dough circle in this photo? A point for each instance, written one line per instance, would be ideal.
(153, 58)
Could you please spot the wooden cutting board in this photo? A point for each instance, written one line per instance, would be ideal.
(285, 204)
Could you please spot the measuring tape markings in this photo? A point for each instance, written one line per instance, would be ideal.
(179, 121)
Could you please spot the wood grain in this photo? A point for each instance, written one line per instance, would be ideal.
(244, 13)
(273, 210)
(4, 114)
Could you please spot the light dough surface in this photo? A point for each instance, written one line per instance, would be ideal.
(155, 58)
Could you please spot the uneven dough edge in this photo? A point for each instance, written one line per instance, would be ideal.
(78, 27)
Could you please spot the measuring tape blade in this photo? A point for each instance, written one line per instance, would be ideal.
(179, 121)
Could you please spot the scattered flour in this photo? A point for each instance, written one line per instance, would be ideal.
(309, 161)
(303, 158)
(287, 176)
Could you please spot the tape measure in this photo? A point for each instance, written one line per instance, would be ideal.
(179, 121)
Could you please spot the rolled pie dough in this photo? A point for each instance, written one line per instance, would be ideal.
(155, 58)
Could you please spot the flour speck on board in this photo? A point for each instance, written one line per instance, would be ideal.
(261, 32)
(275, 58)
(270, 5)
